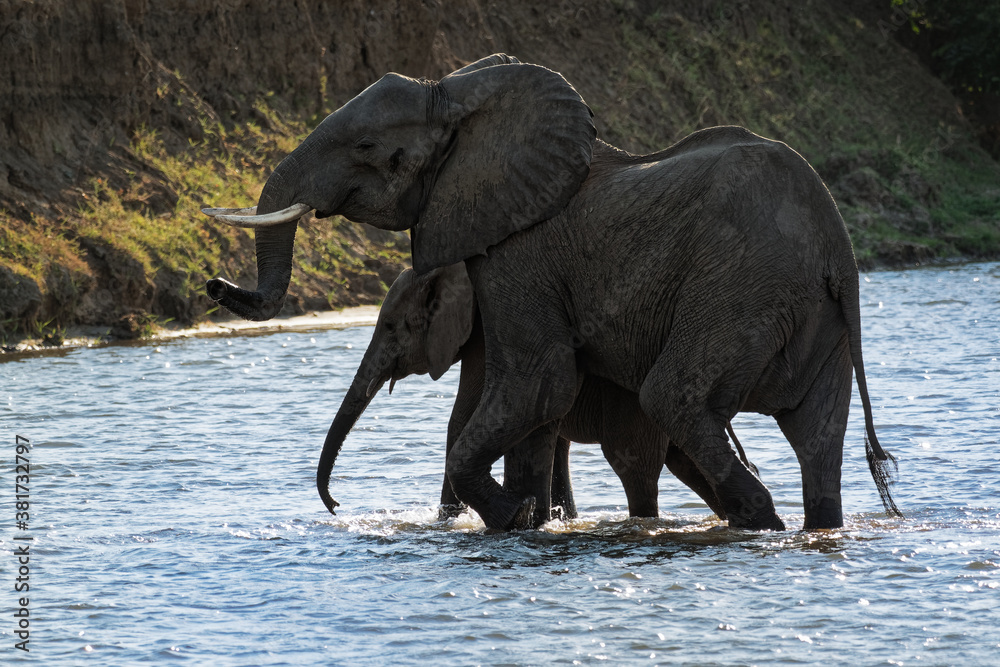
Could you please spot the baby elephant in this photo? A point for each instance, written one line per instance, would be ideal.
(429, 322)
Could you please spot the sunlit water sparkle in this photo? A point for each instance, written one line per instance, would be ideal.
(175, 517)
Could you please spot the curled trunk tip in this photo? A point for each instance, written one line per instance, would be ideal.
(329, 502)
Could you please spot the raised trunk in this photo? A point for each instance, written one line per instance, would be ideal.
(367, 382)
(274, 257)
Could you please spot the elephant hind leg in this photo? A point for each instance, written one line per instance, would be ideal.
(692, 397)
(684, 469)
(815, 429)
(743, 499)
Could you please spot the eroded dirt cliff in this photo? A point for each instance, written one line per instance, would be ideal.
(99, 100)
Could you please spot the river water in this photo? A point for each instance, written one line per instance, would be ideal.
(175, 518)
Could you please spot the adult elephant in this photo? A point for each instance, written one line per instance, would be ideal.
(713, 277)
(429, 322)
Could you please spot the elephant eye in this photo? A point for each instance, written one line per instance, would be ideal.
(364, 144)
(396, 158)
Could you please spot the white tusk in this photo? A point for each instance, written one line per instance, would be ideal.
(229, 211)
(247, 217)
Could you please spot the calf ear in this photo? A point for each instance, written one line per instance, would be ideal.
(452, 310)
(521, 149)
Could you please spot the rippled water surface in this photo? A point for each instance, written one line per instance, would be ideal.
(174, 515)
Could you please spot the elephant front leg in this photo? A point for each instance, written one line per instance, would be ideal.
(498, 424)
(469, 469)
(465, 404)
(530, 383)
(528, 470)
(451, 506)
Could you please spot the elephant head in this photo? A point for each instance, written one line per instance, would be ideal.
(491, 149)
(423, 322)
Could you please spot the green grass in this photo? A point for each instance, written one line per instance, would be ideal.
(818, 88)
(146, 239)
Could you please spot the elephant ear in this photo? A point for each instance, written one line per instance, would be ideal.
(451, 310)
(522, 147)
(488, 61)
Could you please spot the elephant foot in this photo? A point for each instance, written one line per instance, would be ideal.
(747, 503)
(759, 521)
(524, 518)
(450, 511)
(510, 513)
(826, 513)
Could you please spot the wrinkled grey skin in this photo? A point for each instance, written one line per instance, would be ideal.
(713, 277)
(428, 322)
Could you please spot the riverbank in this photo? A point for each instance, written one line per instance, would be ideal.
(356, 316)
(89, 336)
(107, 158)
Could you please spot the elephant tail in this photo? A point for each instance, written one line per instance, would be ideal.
(881, 463)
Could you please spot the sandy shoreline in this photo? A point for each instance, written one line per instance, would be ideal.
(356, 316)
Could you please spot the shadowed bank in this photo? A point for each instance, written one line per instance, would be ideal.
(108, 152)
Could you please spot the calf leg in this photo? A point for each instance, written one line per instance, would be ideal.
(637, 459)
(470, 391)
(562, 487)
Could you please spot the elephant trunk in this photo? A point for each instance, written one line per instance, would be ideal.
(274, 246)
(367, 382)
